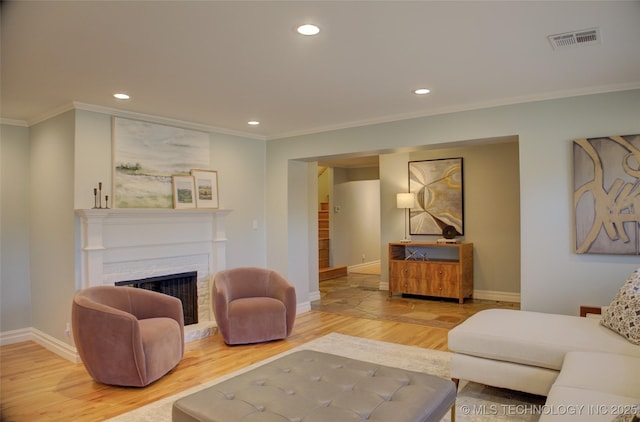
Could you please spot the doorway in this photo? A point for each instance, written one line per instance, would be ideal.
(349, 215)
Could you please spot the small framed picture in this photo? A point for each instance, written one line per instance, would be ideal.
(183, 192)
(206, 185)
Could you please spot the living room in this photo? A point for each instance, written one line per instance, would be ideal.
(51, 164)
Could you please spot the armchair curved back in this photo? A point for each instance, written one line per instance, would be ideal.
(119, 332)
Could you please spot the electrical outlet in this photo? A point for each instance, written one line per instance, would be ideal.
(67, 330)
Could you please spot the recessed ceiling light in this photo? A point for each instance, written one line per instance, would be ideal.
(421, 91)
(308, 29)
(253, 123)
(121, 96)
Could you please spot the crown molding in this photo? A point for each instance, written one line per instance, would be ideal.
(131, 115)
(163, 120)
(347, 125)
(13, 122)
(456, 109)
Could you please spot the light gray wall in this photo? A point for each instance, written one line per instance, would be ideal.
(301, 210)
(355, 237)
(51, 230)
(393, 179)
(241, 165)
(312, 233)
(552, 277)
(92, 157)
(15, 288)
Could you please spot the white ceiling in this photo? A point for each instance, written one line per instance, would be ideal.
(221, 64)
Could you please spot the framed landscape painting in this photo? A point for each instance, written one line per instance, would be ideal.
(146, 156)
(184, 196)
(206, 188)
(438, 187)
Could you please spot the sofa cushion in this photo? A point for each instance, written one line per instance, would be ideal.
(606, 372)
(534, 338)
(584, 405)
(623, 314)
(595, 387)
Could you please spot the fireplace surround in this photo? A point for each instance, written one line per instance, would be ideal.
(134, 244)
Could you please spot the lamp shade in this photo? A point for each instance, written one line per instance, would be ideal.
(405, 200)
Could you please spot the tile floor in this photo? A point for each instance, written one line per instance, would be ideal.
(358, 295)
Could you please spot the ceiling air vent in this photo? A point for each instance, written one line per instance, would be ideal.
(574, 39)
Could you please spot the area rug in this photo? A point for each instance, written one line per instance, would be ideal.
(474, 403)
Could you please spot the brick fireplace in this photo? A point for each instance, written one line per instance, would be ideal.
(134, 244)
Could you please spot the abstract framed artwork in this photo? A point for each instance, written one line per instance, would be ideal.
(146, 155)
(184, 196)
(438, 186)
(606, 195)
(206, 182)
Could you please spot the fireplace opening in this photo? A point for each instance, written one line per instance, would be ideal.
(182, 285)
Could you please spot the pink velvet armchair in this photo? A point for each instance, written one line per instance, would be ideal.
(253, 305)
(127, 336)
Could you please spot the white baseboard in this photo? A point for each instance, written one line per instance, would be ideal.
(52, 344)
(364, 264)
(56, 346)
(303, 307)
(481, 294)
(313, 296)
(15, 336)
(497, 296)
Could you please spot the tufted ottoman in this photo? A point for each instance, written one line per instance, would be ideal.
(313, 386)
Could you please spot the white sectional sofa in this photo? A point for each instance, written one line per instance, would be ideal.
(588, 368)
(574, 361)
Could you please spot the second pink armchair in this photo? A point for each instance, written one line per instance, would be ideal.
(253, 305)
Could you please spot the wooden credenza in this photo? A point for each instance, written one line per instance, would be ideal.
(431, 269)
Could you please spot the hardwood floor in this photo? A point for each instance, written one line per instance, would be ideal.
(37, 385)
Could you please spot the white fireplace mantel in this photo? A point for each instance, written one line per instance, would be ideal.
(112, 234)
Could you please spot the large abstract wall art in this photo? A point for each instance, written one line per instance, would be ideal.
(607, 195)
(438, 187)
